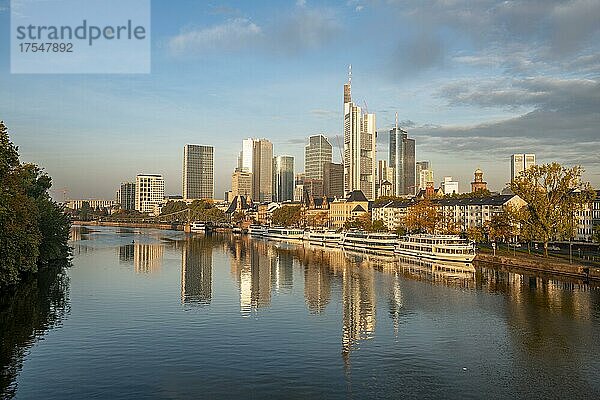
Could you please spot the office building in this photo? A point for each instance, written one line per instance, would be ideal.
(422, 166)
(126, 196)
(402, 159)
(198, 172)
(257, 158)
(333, 180)
(149, 193)
(241, 184)
(449, 186)
(316, 154)
(360, 161)
(519, 163)
(283, 178)
(385, 179)
(425, 179)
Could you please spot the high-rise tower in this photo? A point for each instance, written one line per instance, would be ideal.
(359, 146)
(198, 172)
(402, 159)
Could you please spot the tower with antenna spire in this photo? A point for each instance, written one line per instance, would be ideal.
(360, 160)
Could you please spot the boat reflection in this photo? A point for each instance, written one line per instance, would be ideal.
(444, 273)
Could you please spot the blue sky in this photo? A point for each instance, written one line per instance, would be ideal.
(472, 82)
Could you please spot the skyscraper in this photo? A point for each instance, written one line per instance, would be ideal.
(126, 196)
(198, 172)
(241, 184)
(283, 178)
(359, 146)
(385, 176)
(402, 159)
(316, 154)
(519, 163)
(149, 193)
(423, 174)
(257, 158)
(333, 180)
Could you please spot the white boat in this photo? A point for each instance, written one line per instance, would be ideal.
(436, 247)
(323, 238)
(236, 230)
(285, 234)
(257, 230)
(198, 227)
(369, 241)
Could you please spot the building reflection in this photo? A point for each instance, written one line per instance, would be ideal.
(126, 253)
(196, 271)
(147, 258)
(251, 267)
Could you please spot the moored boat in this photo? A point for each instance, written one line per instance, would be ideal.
(323, 238)
(369, 241)
(198, 227)
(285, 234)
(436, 247)
(257, 230)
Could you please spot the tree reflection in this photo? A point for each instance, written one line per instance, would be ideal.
(26, 313)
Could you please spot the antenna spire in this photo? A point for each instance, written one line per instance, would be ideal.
(350, 74)
(396, 120)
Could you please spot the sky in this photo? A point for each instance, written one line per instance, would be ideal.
(472, 82)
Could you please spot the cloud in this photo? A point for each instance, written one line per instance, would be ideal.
(573, 96)
(234, 34)
(304, 29)
(295, 32)
(325, 113)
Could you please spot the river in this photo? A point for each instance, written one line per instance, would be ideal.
(145, 313)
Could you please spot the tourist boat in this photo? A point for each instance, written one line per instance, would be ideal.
(257, 230)
(236, 230)
(285, 234)
(436, 247)
(198, 227)
(323, 238)
(369, 241)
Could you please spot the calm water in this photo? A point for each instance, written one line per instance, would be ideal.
(153, 314)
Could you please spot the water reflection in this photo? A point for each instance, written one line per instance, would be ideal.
(447, 274)
(196, 271)
(26, 313)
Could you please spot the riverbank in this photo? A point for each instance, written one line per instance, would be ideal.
(540, 264)
(170, 227)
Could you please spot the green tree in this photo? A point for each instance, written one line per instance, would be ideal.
(287, 216)
(553, 194)
(33, 229)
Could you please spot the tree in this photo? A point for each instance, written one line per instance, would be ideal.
(287, 216)
(596, 234)
(362, 222)
(422, 217)
(553, 194)
(499, 227)
(476, 234)
(33, 228)
(378, 226)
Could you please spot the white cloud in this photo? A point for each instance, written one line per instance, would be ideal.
(234, 34)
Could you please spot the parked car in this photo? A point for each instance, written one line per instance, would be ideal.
(553, 248)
